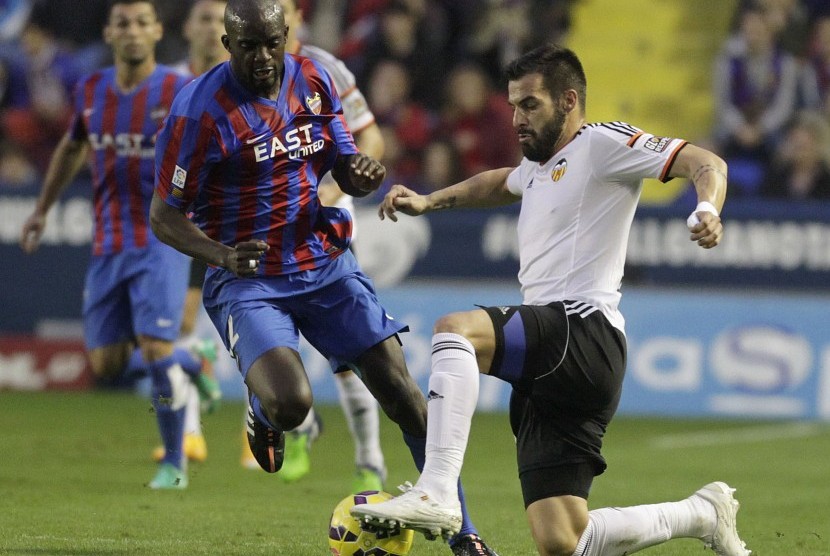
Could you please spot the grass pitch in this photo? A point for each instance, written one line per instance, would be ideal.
(73, 469)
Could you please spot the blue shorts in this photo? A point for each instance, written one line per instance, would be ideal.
(334, 307)
(136, 292)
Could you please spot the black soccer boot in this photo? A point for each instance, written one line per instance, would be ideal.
(267, 445)
(472, 545)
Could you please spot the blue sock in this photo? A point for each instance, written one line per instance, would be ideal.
(191, 364)
(257, 407)
(417, 447)
(168, 401)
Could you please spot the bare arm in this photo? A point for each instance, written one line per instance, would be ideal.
(369, 142)
(487, 189)
(708, 174)
(358, 174)
(67, 160)
(176, 230)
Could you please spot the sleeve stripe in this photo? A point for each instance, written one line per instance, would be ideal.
(634, 139)
(664, 176)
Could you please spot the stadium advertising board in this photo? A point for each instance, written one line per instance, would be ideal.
(699, 354)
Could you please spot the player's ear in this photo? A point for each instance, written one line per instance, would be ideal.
(226, 42)
(568, 100)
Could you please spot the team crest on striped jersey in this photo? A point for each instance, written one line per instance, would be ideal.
(314, 104)
(559, 170)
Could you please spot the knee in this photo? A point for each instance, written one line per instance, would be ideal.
(108, 363)
(286, 409)
(454, 323)
(555, 543)
(153, 349)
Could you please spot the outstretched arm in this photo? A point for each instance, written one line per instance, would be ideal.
(708, 173)
(66, 161)
(487, 189)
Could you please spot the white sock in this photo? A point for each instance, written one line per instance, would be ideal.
(192, 417)
(620, 531)
(361, 411)
(451, 402)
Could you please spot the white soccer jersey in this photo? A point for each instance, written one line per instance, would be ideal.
(577, 210)
(355, 108)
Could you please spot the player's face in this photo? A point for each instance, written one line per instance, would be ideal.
(133, 31)
(537, 118)
(257, 48)
(205, 26)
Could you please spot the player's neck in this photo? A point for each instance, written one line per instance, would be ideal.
(129, 76)
(569, 132)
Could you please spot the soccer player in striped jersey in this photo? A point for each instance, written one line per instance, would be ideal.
(359, 406)
(244, 148)
(563, 350)
(135, 284)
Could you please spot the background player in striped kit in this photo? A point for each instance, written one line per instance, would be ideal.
(203, 30)
(244, 148)
(564, 348)
(135, 284)
(359, 406)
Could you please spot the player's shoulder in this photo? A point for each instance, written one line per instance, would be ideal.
(621, 132)
(316, 70)
(106, 74)
(164, 73)
(199, 93)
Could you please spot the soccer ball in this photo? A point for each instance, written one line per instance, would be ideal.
(348, 538)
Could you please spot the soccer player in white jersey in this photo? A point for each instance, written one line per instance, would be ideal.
(359, 406)
(563, 349)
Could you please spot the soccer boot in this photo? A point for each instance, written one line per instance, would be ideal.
(472, 545)
(267, 445)
(169, 477)
(297, 461)
(414, 509)
(724, 541)
(195, 448)
(367, 478)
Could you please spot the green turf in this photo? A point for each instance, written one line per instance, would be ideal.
(73, 469)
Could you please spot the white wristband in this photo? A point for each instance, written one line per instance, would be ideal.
(703, 206)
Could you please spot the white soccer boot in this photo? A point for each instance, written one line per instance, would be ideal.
(724, 541)
(414, 509)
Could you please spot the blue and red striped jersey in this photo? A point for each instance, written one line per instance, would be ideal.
(248, 167)
(121, 130)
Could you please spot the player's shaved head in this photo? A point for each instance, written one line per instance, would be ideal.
(239, 11)
(256, 37)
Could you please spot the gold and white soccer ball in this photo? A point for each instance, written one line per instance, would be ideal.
(348, 538)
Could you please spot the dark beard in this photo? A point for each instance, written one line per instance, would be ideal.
(541, 148)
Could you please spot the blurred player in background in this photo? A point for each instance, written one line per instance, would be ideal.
(564, 349)
(135, 285)
(244, 148)
(359, 406)
(203, 30)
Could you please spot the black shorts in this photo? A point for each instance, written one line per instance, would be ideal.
(197, 274)
(566, 364)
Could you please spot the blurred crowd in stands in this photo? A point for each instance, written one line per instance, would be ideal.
(431, 72)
